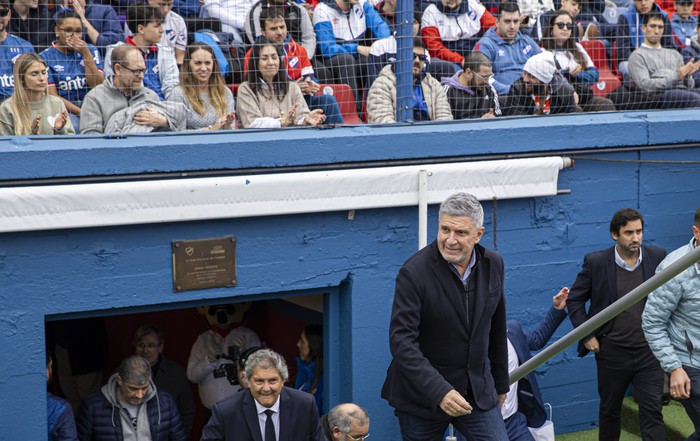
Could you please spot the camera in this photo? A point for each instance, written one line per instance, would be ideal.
(229, 370)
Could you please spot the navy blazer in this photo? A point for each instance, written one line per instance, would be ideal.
(529, 397)
(597, 282)
(433, 349)
(235, 418)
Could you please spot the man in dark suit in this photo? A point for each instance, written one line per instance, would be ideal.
(622, 353)
(448, 333)
(267, 411)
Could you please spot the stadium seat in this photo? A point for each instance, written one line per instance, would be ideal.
(608, 80)
(346, 101)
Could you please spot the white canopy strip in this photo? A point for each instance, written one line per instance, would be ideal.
(143, 202)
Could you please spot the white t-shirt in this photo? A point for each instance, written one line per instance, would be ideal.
(510, 406)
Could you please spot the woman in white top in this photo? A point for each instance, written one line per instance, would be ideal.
(573, 61)
(210, 104)
(268, 98)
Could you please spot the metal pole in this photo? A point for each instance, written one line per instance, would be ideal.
(404, 60)
(607, 314)
(422, 209)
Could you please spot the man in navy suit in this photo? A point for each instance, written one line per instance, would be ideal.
(448, 333)
(267, 411)
(622, 353)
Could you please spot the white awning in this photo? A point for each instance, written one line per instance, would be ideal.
(144, 202)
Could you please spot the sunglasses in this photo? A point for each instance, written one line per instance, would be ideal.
(4, 12)
(563, 26)
(421, 57)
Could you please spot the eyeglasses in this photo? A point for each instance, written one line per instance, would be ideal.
(4, 12)
(484, 78)
(421, 57)
(69, 31)
(148, 347)
(563, 26)
(358, 437)
(135, 71)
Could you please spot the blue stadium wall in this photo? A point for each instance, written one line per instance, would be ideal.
(644, 160)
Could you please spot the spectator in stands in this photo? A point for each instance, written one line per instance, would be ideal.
(429, 99)
(656, 69)
(210, 104)
(683, 23)
(74, 66)
(387, 11)
(692, 51)
(469, 92)
(296, 19)
(31, 21)
(507, 48)
(297, 64)
(343, 29)
(232, 13)
(100, 22)
(541, 90)
(630, 34)
(167, 375)
(59, 415)
(573, 7)
(175, 29)
(346, 421)
(573, 62)
(268, 99)
(10, 47)
(450, 28)
(146, 22)
(310, 363)
(31, 110)
(121, 103)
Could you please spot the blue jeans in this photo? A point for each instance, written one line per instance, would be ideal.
(480, 425)
(516, 426)
(328, 104)
(692, 404)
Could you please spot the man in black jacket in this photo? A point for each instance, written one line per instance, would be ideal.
(621, 351)
(470, 92)
(448, 333)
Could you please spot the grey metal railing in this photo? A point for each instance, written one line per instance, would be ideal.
(607, 314)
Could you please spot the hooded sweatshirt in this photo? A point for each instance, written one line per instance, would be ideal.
(466, 102)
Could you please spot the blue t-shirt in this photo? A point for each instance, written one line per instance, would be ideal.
(10, 49)
(67, 72)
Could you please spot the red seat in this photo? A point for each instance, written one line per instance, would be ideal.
(233, 88)
(346, 101)
(608, 81)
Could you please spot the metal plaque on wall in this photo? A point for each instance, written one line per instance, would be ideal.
(204, 263)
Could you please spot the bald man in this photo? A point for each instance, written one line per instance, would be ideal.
(345, 421)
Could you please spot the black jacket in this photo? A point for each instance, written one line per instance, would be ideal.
(434, 351)
(36, 29)
(519, 100)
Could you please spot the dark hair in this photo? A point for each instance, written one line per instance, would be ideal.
(508, 7)
(418, 42)
(475, 60)
(653, 15)
(280, 83)
(623, 217)
(141, 14)
(270, 13)
(68, 13)
(570, 43)
(314, 335)
(144, 330)
(696, 218)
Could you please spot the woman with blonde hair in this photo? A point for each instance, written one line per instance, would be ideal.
(31, 110)
(209, 103)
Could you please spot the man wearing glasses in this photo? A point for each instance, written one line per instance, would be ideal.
(346, 422)
(470, 92)
(122, 90)
(429, 100)
(11, 47)
(130, 407)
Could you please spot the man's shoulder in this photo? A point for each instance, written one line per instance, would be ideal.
(15, 41)
(234, 401)
(599, 255)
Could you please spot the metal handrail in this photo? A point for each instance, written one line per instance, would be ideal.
(607, 314)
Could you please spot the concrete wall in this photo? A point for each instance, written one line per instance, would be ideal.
(128, 269)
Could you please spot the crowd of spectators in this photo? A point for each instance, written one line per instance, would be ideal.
(197, 65)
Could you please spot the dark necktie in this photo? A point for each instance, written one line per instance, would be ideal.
(269, 426)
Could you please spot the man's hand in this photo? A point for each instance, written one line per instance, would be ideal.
(307, 86)
(488, 114)
(501, 400)
(78, 9)
(559, 300)
(680, 384)
(315, 118)
(455, 405)
(363, 50)
(149, 117)
(688, 68)
(576, 70)
(592, 345)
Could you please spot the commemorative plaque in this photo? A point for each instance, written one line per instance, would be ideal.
(204, 263)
